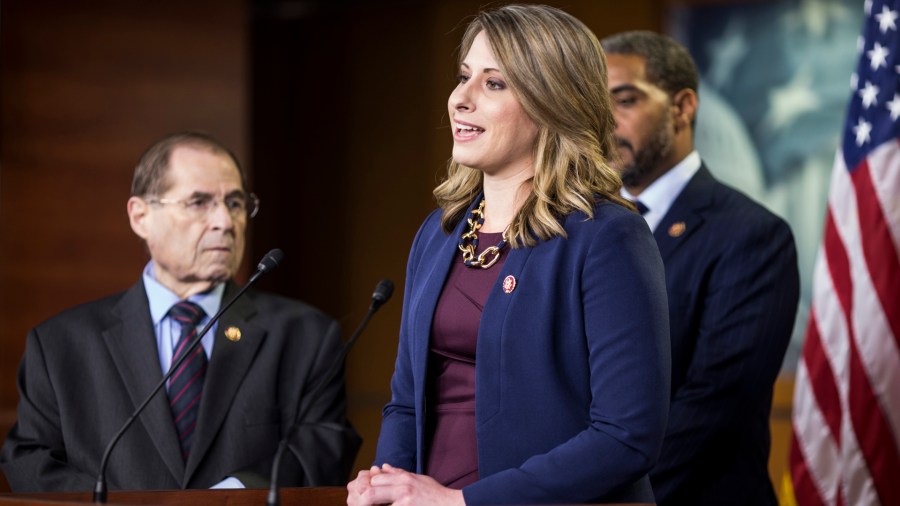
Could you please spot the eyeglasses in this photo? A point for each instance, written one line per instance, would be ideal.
(239, 205)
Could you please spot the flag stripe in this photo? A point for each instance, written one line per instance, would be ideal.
(833, 333)
(883, 163)
(856, 486)
(822, 380)
(838, 264)
(874, 435)
(870, 330)
(842, 241)
(820, 455)
(840, 233)
(878, 246)
(881, 267)
(804, 485)
(821, 447)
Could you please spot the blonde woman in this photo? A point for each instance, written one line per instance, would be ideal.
(533, 364)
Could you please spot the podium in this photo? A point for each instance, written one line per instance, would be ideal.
(309, 496)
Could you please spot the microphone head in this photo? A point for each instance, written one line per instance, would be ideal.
(270, 261)
(383, 292)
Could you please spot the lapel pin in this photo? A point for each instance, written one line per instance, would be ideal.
(676, 229)
(233, 334)
(509, 283)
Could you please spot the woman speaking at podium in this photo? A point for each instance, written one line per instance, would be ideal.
(533, 364)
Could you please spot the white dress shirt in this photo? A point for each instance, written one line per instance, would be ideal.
(659, 196)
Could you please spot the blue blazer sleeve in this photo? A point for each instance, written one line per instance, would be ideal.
(397, 442)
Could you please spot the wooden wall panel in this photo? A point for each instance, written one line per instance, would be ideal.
(343, 109)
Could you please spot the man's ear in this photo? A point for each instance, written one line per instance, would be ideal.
(138, 209)
(684, 108)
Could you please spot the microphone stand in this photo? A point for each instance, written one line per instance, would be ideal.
(383, 292)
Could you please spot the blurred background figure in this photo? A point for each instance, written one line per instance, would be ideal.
(731, 276)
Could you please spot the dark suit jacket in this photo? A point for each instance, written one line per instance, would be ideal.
(572, 368)
(733, 289)
(86, 370)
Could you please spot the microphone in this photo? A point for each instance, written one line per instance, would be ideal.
(383, 291)
(382, 294)
(269, 262)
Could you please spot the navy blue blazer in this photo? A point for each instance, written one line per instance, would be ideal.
(733, 285)
(572, 368)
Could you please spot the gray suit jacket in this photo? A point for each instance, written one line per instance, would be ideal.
(86, 369)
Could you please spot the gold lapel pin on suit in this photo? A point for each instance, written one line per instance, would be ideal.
(233, 334)
(677, 229)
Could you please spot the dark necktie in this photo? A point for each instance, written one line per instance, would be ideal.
(641, 207)
(186, 384)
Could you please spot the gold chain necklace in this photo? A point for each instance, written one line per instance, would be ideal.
(468, 242)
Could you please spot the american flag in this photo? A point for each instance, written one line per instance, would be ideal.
(845, 448)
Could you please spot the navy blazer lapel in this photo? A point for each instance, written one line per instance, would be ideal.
(423, 314)
(686, 214)
(229, 364)
(490, 332)
(132, 345)
(435, 257)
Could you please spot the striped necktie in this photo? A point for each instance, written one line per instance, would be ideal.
(186, 385)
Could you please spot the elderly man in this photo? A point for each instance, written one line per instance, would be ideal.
(224, 411)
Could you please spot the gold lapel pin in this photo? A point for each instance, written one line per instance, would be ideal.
(676, 229)
(233, 334)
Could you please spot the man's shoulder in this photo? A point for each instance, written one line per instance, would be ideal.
(733, 206)
(734, 222)
(98, 311)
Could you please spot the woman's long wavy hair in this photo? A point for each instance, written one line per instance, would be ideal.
(555, 66)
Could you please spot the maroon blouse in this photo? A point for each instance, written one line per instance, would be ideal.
(452, 457)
